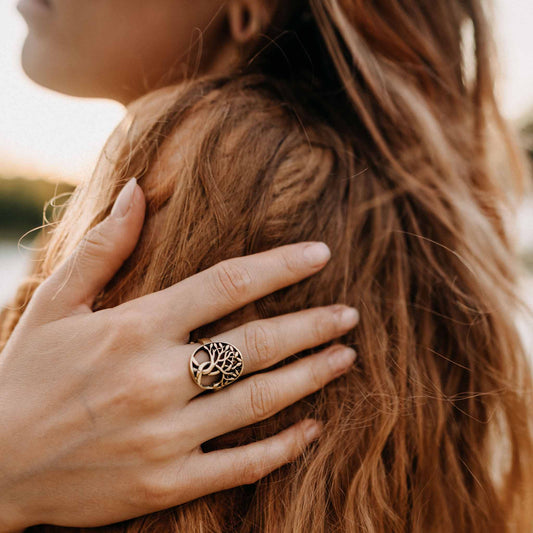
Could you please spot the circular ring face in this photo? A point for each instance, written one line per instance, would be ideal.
(225, 363)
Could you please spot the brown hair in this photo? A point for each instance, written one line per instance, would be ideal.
(370, 126)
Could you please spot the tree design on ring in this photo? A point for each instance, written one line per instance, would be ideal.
(224, 361)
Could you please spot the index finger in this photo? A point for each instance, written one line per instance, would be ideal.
(231, 284)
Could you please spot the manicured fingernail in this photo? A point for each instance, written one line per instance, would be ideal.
(124, 199)
(341, 359)
(348, 317)
(312, 431)
(317, 253)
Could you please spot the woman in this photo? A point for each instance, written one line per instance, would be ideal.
(362, 125)
(86, 397)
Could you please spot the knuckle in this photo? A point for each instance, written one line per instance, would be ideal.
(314, 373)
(154, 492)
(156, 446)
(184, 436)
(39, 305)
(129, 316)
(42, 292)
(324, 325)
(141, 392)
(126, 330)
(262, 398)
(232, 281)
(259, 341)
(118, 400)
(139, 446)
(115, 328)
(288, 263)
(95, 240)
(122, 324)
(143, 389)
(294, 443)
(253, 470)
(46, 291)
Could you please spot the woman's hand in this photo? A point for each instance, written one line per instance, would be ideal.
(100, 420)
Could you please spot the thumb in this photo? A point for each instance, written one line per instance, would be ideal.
(96, 259)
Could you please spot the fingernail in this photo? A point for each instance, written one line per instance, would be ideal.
(317, 253)
(124, 199)
(348, 317)
(342, 359)
(312, 431)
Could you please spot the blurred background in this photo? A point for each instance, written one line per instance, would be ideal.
(49, 142)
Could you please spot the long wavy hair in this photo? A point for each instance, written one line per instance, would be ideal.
(371, 126)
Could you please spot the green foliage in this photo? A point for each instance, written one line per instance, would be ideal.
(22, 203)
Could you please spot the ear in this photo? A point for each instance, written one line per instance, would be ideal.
(248, 18)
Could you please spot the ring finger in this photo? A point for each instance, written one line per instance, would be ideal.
(264, 343)
(261, 396)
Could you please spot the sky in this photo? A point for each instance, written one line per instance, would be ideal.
(44, 134)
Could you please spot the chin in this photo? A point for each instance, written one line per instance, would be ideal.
(53, 71)
(38, 67)
(66, 74)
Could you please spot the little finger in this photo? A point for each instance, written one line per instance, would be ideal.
(233, 467)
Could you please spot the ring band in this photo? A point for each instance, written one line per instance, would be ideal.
(225, 362)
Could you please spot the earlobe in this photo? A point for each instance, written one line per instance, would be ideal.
(247, 18)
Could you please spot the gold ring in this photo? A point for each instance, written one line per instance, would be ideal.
(225, 363)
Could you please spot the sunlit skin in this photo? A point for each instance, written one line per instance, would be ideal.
(121, 49)
(76, 453)
(402, 187)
